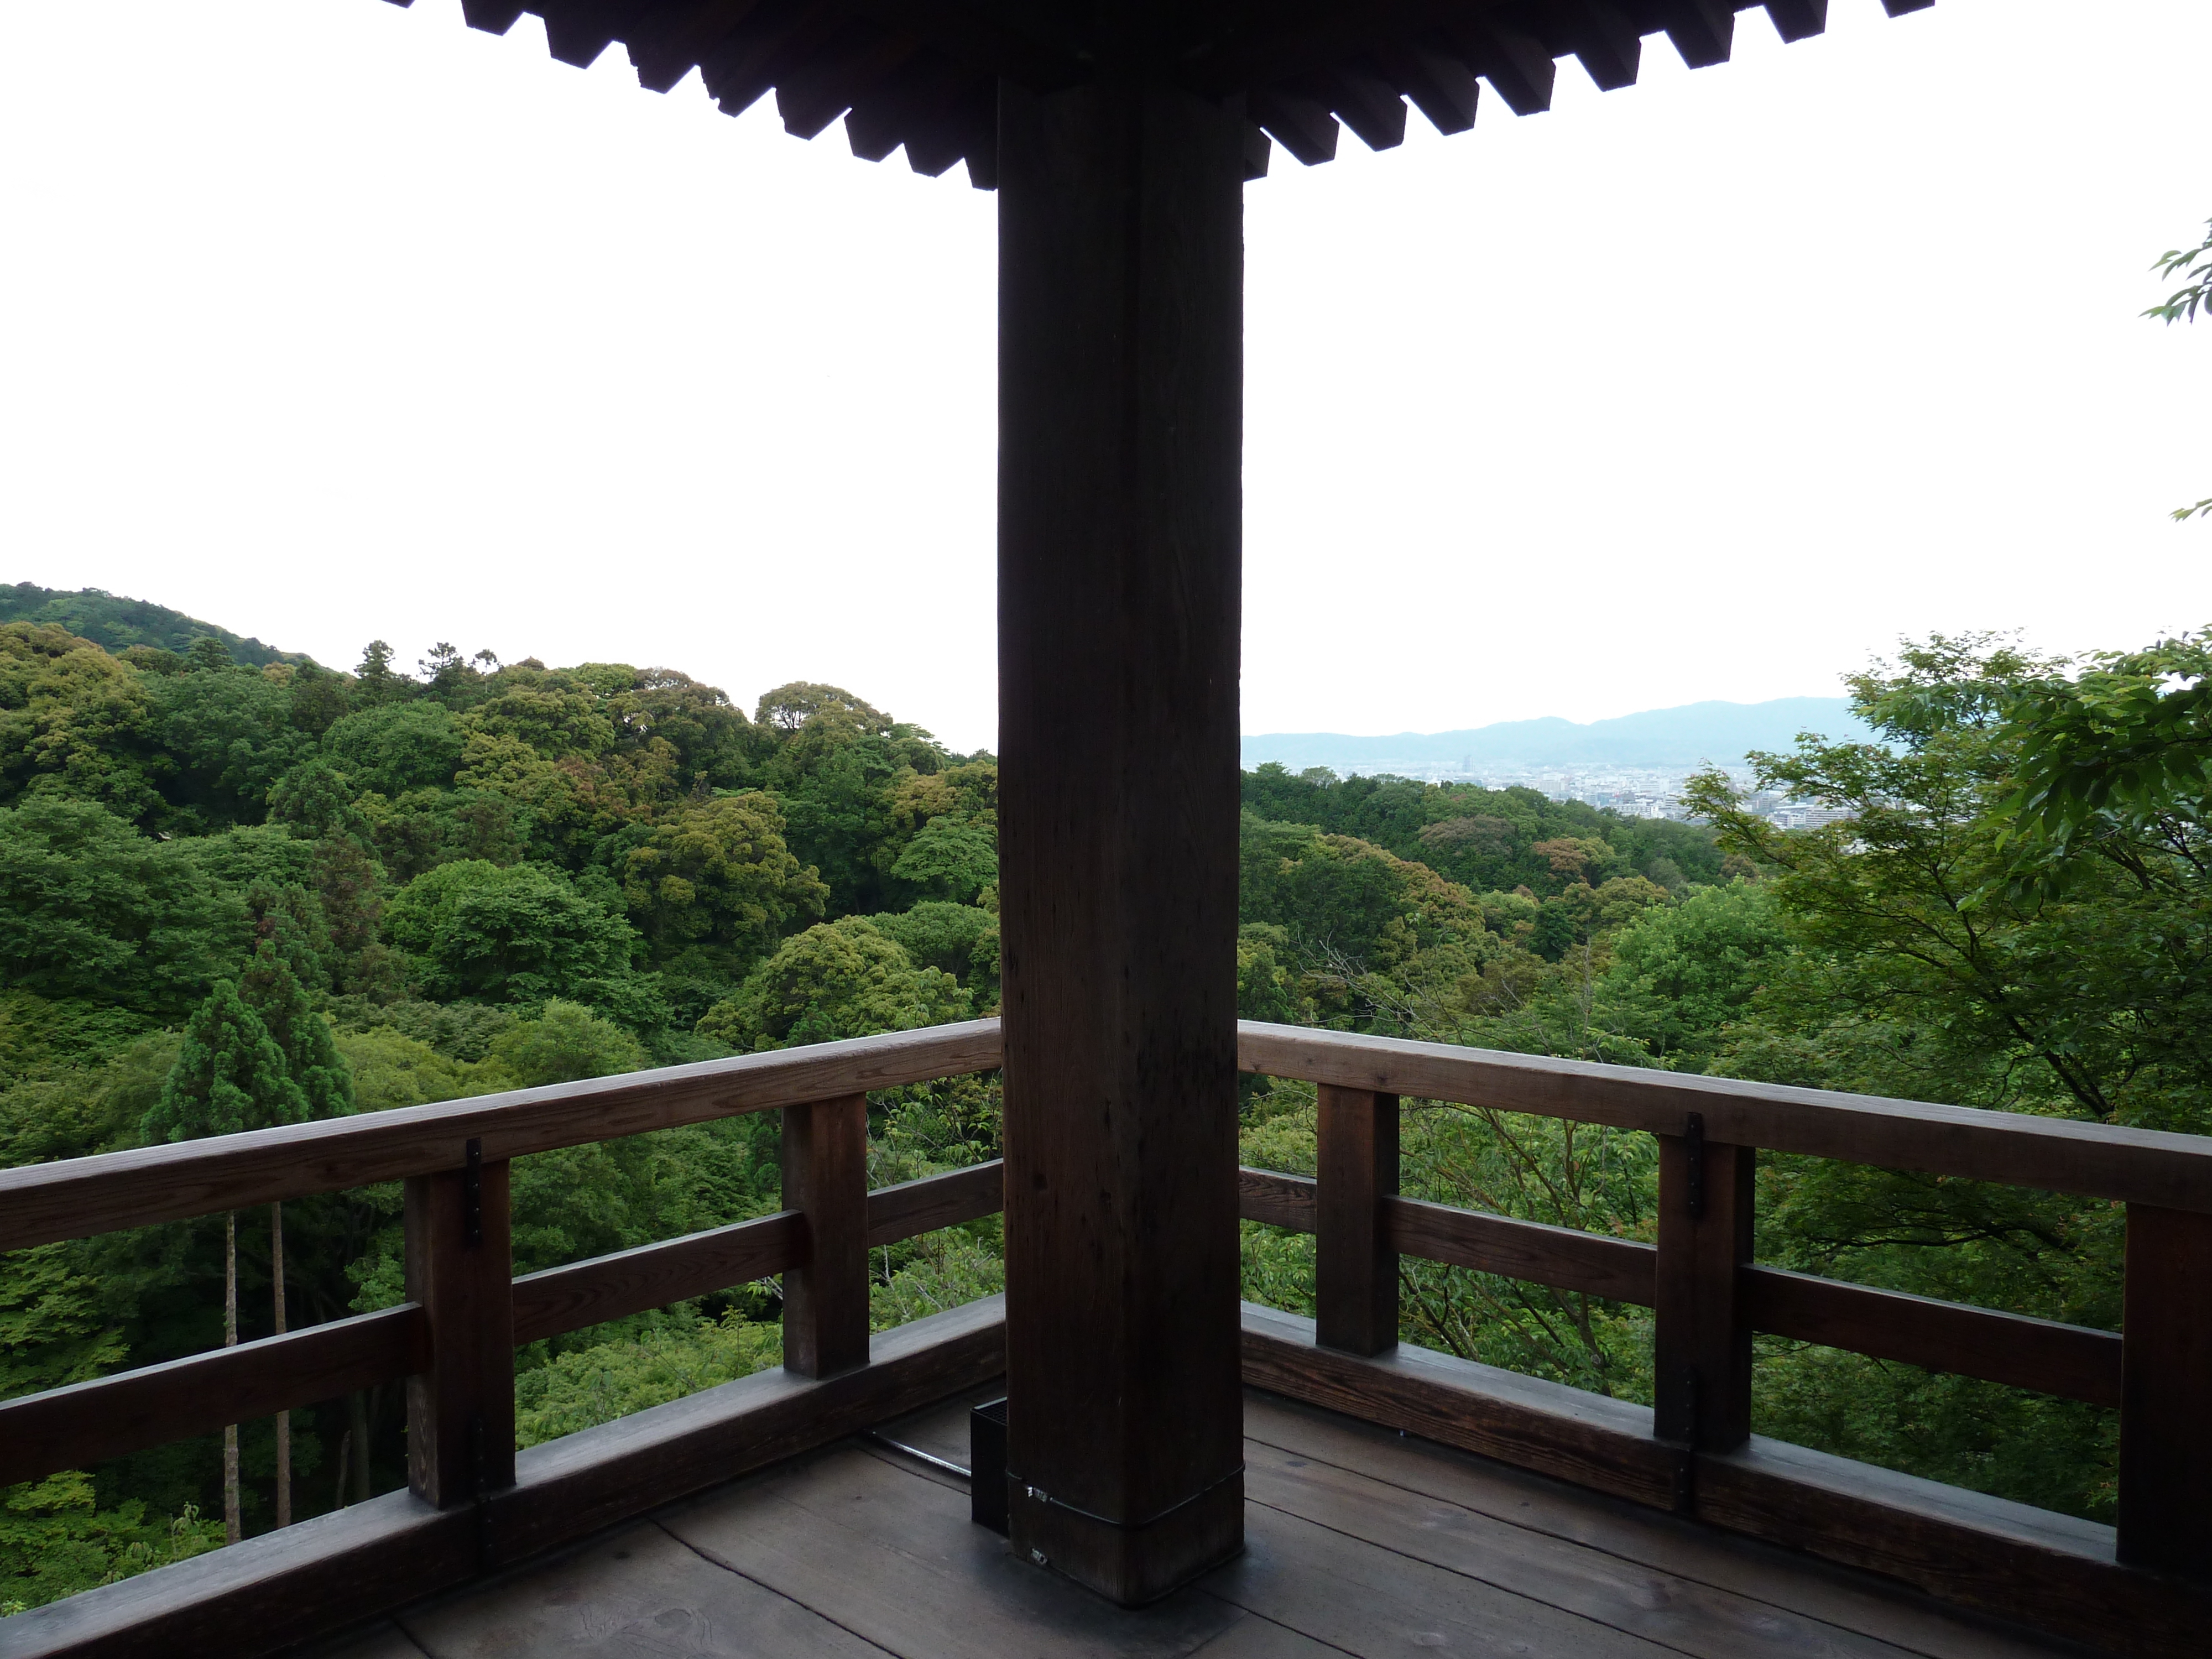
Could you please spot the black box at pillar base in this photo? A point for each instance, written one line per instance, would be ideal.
(987, 1461)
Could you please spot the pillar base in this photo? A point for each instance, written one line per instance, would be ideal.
(1131, 1565)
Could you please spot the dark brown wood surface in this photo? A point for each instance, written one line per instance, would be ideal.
(921, 76)
(2096, 1160)
(1976, 1552)
(1701, 1339)
(79, 1197)
(825, 1179)
(568, 1298)
(1280, 1201)
(1603, 1444)
(934, 1201)
(2166, 1395)
(75, 1427)
(460, 1408)
(1619, 1269)
(1355, 1272)
(2072, 1361)
(328, 1573)
(1120, 320)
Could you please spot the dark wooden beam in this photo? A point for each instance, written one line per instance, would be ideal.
(2095, 1160)
(1300, 124)
(825, 1179)
(1798, 20)
(1443, 88)
(1702, 30)
(2071, 1361)
(75, 1427)
(2166, 1395)
(461, 1408)
(585, 1293)
(81, 1196)
(1355, 1273)
(1121, 400)
(1701, 1338)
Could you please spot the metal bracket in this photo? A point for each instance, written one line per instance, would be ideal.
(1694, 1151)
(472, 1195)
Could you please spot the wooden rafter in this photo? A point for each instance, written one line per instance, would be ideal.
(918, 73)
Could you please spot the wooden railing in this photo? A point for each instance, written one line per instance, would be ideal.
(1709, 1298)
(453, 1340)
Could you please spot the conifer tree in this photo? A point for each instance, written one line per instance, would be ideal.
(229, 1076)
(272, 990)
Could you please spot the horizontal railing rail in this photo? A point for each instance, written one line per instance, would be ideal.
(1708, 1298)
(40, 1203)
(453, 1340)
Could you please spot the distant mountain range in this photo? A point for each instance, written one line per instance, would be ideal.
(93, 613)
(1721, 733)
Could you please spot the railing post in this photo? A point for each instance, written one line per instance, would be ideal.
(460, 1413)
(825, 1178)
(1701, 1380)
(2166, 1393)
(1355, 1277)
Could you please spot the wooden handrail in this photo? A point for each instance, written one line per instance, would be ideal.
(453, 1342)
(78, 1197)
(2093, 1160)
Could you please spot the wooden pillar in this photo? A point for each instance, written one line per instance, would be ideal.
(1120, 398)
(1355, 1278)
(1702, 1343)
(825, 1178)
(460, 1413)
(2166, 1393)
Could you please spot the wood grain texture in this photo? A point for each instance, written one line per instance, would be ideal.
(2050, 1571)
(582, 1293)
(75, 1427)
(825, 1179)
(1355, 1273)
(325, 1574)
(1277, 1199)
(2072, 1361)
(1984, 1553)
(76, 1198)
(460, 1408)
(2148, 1166)
(1619, 1269)
(2166, 1398)
(1605, 1444)
(1701, 1340)
(913, 1207)
(1120, 406)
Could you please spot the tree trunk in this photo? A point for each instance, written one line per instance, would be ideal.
(284, 1418)
(232, 1531)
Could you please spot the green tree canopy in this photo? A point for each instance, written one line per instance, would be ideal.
(519, 933)
(840, 979)
(229, 1076)
(719, 872)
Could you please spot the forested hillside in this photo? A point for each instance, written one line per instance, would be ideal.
(234, 894)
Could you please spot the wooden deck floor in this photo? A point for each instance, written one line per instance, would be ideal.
(1359, 1542)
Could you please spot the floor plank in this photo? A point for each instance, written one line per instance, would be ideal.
(1675, 1612)
(1791, 1584)
(1372, 1602)
(895, 1557)
(639, 1594)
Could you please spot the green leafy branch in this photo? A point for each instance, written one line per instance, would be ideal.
(2194, 266)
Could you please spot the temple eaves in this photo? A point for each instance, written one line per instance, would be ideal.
(923, 74)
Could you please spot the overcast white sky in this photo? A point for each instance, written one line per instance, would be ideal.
(327, 320)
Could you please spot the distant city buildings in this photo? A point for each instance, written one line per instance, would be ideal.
(1632, 791)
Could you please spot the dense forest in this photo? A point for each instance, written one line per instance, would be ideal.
(242, 892)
